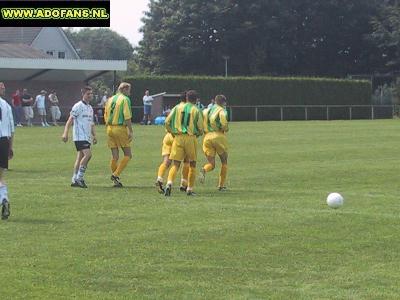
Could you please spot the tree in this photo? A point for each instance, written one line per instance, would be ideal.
(387, 35)
(101, 43)
(321, 37)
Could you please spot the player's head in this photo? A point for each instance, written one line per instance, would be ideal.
(191, 96)
(183, 96)
(147, 92)
(2, 89)
(87, 94)
(124, 88)
(220, 100)
(25, 91)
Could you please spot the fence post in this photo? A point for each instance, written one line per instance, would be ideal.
(393, 109)
(306, 113)
(231, 114)
(281, 113)
(351, 113)
(327, 113)
(256, 113)
(372, 113)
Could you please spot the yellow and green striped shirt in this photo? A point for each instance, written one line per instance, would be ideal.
(117, 110)
(185, 118)
(215, 119)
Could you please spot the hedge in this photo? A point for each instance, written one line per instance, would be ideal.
(259, 90)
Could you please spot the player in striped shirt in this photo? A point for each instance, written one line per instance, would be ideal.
(215, 141)
(185, 123)
(117, 116)
(165, 152)
(84, 134)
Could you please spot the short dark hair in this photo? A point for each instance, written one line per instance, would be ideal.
(86, 89)
(183, 96)
(191, 95)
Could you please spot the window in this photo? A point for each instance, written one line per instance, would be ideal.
(50, 53)
(61, 54)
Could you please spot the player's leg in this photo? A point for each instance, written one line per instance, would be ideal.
(77, 163)
(185, 175)
(86, 156)
(121, 166)
(191, 155)
(208, 167)
(210, 152)
(192, 178)
(4, 201)
(224, 171)
(161, 172)
(173, 171)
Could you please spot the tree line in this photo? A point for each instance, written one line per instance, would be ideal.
(260, 37)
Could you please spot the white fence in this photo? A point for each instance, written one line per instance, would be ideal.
(290, 112)
(311, 112)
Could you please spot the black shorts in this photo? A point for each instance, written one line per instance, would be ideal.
(4, 152)
(82, 145)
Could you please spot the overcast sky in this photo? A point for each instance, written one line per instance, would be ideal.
(125, 18)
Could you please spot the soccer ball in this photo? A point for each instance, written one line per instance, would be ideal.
(334, 200)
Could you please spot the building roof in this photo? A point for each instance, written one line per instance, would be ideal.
(21, 51)
(52, 69)
(19, 35)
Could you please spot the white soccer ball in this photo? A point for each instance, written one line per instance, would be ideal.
(334, 200)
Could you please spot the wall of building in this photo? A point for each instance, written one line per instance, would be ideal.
(51, 39)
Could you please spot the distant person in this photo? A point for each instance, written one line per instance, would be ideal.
(118, 120)
(27, 104)
(199, 105)
(104, 99)
(148, 103)
(185, 123)
(212, 102)
(84, 135)
(54, 108)
(40, 103)
(17, 105)
(215, 141)
(6, 149)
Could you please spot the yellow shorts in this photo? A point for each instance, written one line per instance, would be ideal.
(118, 137)
(215, 142)
(184, 147)
(167, 144)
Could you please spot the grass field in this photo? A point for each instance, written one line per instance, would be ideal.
(270, 236)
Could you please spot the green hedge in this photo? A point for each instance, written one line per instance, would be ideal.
(260, 90)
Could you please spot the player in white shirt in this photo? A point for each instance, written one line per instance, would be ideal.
(81, 117)
(40, 103)
(6, 149)
(147, 102)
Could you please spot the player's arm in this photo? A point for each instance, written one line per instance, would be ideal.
(11, 140)
(66, 129)
(128, 117)
(224, 121)
(200, 124)
(94, 138)
(167, 122)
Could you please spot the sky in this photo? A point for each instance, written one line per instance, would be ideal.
(125, 18)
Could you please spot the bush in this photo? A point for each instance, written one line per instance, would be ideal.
(260, 90)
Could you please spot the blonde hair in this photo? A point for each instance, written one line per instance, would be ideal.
(123, 86)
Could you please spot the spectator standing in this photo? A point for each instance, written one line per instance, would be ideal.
(40, 103)
(54, 109)
(147, 102)
(17, 106)
(27, 103)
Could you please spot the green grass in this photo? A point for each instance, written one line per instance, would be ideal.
(270, 236)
